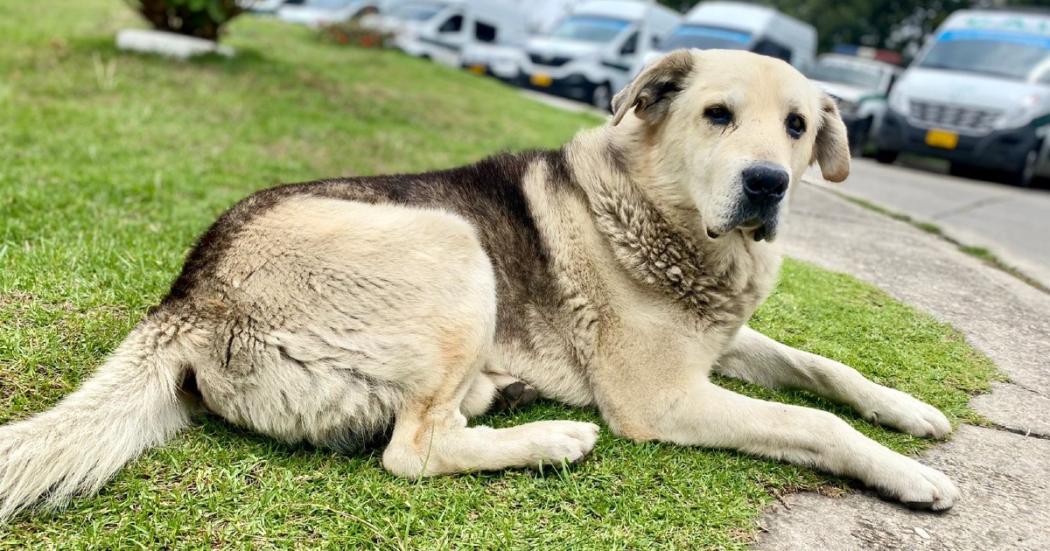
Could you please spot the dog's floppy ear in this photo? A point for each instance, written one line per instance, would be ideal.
(650, 93)
(831, 150)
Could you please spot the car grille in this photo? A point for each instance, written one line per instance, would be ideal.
(551, 61)
(955, 117)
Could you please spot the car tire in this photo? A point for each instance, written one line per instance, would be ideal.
(1024, 176)
(961, 170)
(886, 156)
(859, 138)
(601, 96)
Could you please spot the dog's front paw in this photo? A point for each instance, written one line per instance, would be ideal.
(893, 408)
(913, 484)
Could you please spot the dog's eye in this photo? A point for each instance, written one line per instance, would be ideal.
(796, 125)
(718, 114)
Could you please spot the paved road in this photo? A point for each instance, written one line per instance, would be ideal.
(1012, 222)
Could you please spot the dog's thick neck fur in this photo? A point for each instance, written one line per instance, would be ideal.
(661, 244)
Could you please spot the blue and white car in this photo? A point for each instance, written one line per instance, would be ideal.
(977, 95)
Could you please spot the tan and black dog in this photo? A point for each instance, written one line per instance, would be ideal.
(617, 273)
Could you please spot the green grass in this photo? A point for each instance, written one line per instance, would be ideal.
(113, 163)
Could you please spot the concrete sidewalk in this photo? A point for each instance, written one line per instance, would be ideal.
(1004, 471)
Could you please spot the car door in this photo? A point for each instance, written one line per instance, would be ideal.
(450, 38)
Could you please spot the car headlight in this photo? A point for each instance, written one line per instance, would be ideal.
(1019, 115)
(898, 101)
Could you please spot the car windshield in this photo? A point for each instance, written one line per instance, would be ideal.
(856, 74)
(1003, 54)
(590, 28)
(705, 38)
(417, 11)
(328, 4)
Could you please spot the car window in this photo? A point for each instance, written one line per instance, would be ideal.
(452, 25)
(707, 37)
(771, 48)
(417, 11)
(1002, 54)
(590, 28)
(854, 73)
(630, 45)
(484, 32)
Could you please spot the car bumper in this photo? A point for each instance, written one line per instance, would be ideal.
(575, 86)
(489, 70)
(997, 150)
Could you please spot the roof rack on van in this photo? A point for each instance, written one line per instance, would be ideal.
(1039, 10)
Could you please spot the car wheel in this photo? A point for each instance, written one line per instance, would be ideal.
(961, 170)
(886, 156)
(601, 97)
(1026, 173)
(858, 139)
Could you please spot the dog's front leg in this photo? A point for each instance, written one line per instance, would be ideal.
(653, 389)
(712, 416)
(756, 358)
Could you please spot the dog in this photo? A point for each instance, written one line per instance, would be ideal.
(617, 272)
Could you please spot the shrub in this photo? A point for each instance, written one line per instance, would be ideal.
(352, 33)
(200, 18)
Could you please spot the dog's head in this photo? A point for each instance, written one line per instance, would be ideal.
(727, 133)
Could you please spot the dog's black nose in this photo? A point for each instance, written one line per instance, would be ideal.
(765, 183)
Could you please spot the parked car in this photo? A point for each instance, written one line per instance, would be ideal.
(977, 95)
(318, 13)
(590, 54)
(442, 30)
(742, 26)
(860, 86)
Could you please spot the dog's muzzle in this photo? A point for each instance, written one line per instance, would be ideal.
(757, 211)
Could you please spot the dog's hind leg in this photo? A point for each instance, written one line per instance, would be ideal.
(496, 392)
(431, 435)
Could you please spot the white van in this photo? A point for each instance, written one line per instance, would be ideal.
(977, 95)
(441, 29)
(589, 55)
(505, 60)
(740, 26)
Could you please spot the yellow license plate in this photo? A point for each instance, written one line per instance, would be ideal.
(943, 139)
(541, 80)
(477, 69)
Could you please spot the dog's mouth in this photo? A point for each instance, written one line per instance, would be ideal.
(758, 228)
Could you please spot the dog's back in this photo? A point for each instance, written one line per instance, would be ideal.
(305, 312)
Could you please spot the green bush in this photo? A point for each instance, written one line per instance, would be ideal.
(200, 18)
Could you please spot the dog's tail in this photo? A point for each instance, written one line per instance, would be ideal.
(130, 404)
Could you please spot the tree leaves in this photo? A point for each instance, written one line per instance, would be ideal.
(200, 18)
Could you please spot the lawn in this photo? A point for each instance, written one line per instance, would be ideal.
(111, 164)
